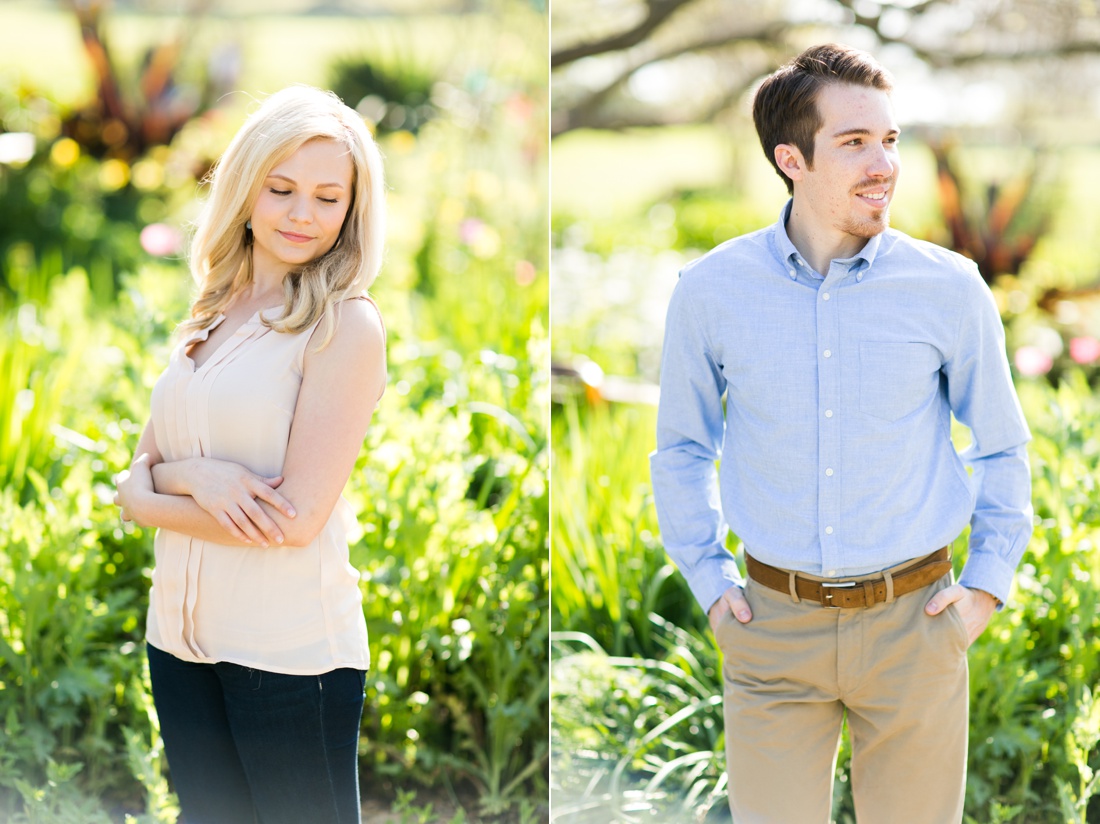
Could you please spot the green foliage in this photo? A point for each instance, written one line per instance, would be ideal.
(1034, 725)
(446, 575)
(636, 736)
(63, 208)
(397, 97)
(610, 572)
(451, 488)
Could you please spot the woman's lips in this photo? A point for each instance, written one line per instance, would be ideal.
(294, 237)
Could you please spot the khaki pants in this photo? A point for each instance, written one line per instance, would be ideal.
(790, 673)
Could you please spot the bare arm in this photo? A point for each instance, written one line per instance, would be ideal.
(340, 388)
(141, 503)
(225, 490)
(228, 491)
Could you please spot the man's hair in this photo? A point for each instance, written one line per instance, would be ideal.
(785, 107)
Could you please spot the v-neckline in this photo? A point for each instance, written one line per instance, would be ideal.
(204, 334)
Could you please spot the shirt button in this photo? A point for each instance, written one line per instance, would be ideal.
(828, 530)
(792, 273)
(829, 472)
(831, 573)
(828, 413)
(828, 353)
(825, 296)
(859, 276)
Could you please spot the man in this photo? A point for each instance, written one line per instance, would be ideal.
(842, 347)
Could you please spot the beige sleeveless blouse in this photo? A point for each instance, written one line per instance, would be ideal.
(293, 610)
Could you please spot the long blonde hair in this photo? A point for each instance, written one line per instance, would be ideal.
(221, 251)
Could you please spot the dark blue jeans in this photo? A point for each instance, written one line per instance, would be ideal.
(246, 746)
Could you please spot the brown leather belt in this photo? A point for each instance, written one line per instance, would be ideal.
(851, 594)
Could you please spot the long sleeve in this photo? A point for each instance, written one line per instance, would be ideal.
(690, 426)
(981, 395)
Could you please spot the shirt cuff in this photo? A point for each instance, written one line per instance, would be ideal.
(988, 571)
(713, 577)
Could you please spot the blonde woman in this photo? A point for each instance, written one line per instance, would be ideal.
(256, 639)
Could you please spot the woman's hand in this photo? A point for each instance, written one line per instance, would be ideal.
(131, 484)
(230, 493)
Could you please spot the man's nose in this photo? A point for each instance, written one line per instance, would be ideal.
(881, 163)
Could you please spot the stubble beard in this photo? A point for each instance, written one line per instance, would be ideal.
(866, 227)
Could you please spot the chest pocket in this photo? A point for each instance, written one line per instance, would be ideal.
(895, 379)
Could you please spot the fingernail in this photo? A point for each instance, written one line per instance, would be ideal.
(931, 608)
(743, 615)
(264, 544)
(279, 539)
(291, 513)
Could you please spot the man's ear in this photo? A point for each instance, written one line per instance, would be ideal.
(790, 161)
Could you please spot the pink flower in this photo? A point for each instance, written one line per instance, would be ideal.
(470, 230)
(525, 272)
(160, 240)
(1084, 350)
(1031, 361)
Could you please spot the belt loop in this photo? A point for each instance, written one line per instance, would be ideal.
(868, 594)
(889, 586)
(792, 588)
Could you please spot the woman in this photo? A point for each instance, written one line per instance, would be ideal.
(256, 639)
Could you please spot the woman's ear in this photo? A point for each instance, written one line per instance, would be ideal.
(790, 161)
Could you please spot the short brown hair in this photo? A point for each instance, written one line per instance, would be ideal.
(785, 106)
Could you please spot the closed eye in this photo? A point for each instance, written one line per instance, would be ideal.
(327, 200)
(279, 192)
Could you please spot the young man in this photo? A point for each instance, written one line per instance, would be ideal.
(842, 348)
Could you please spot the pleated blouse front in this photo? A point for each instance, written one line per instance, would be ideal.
(294, 610)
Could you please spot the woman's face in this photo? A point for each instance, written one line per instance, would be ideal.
(301, 207)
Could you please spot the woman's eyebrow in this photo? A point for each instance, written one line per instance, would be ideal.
(319, 186)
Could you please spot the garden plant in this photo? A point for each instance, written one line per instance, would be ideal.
(450, 491)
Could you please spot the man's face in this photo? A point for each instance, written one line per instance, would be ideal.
(856, 164)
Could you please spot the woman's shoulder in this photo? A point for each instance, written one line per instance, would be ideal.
(356, 352)
(358, 332)
(366, 303)
(360, 317)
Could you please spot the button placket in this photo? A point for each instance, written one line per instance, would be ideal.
(828, 496)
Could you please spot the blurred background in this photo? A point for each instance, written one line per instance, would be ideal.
(110, 115)
(655, 161)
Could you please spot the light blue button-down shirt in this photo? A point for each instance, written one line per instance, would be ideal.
(835, 442)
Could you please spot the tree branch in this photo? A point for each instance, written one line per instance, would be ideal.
(583, 113)
(658, 12)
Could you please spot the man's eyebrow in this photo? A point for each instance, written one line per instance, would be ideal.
(319, 186)
(858, 131)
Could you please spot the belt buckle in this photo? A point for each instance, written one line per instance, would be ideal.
(827, 596)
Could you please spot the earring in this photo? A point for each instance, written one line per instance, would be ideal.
(248, 224)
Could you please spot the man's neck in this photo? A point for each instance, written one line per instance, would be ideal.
(819, 245)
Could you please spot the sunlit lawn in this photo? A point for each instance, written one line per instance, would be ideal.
(276, 49)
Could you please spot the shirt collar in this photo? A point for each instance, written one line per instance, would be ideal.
(860, 263)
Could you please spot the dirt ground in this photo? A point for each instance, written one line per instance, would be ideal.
(444, 809)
